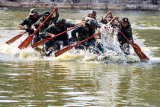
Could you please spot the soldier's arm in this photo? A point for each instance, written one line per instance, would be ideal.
(73, 33)
(47, 31)
(55, 18)
(37, 24)
(23, 25)
(109, 13)
(69, 24)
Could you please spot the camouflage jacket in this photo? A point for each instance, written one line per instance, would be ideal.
(83, 33)
(127, 32)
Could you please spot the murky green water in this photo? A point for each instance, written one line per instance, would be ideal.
(49, 84)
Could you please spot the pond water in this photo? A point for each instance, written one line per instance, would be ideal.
(50, 83)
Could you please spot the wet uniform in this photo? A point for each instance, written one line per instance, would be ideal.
(29, 22)
(124, 45)
(83, 33)
(59, 40)
(40, 34)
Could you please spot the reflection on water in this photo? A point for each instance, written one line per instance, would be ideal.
(76, 84)
(48, 83)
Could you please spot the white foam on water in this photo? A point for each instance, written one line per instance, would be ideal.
(72, 55)
(110, 43)
(108, 38)
(154, 60)
(12, 51)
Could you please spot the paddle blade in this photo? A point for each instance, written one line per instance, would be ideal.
(63, 50)
(26, 42)
(139, 52)
(40, 42)
(14, 38)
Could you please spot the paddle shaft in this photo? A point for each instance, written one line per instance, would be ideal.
(42, 24)
(72, 46)
(126, 38)
(136, 48)
(53, 36)
(78, 43)
(28, 40)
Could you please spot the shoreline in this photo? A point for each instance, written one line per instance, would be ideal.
(102, 6)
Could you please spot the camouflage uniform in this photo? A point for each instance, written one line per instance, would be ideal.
(30, 20)
(60, 26)
(40, 34)
(88, 29)
(127, 31)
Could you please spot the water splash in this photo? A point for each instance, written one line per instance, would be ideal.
(112, 52)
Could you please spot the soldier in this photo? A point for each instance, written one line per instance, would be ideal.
(53, 19)
(126, 29)
(29, 21)
(83, 32)
(91, 15)
(60, 26)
